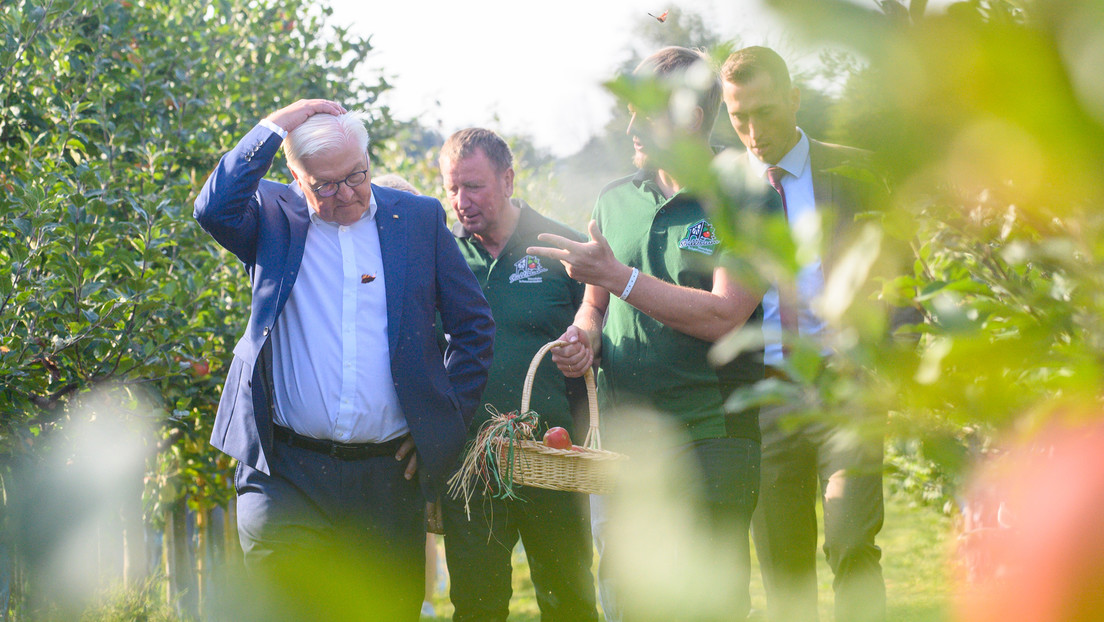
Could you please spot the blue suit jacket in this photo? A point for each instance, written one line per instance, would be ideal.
(265, 224)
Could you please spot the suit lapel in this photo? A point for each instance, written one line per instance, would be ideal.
(297, 211)
(831, 202)
(393, 243)
(819, 160)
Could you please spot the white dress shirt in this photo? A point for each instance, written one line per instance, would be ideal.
(801, 215)
(330, 356)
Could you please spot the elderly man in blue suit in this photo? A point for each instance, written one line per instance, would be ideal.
(338, 392)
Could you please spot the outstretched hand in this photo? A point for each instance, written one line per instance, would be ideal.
(590, 262)
(292, 116)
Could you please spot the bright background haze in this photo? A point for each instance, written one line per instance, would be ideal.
(530, 68)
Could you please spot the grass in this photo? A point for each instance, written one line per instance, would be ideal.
(914, 541)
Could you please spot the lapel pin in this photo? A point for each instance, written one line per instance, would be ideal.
(367, 278)
(395, 216)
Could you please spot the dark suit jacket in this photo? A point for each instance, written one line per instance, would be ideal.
(842, 188)
(265, 224)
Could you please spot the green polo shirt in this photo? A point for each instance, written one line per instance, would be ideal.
(533, 301)
(645, 363)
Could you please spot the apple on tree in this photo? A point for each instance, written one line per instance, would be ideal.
(200, 368)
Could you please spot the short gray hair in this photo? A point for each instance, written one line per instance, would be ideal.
(391, 180)
(464, 143)
(325, 132)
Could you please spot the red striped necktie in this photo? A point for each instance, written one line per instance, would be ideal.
(787, 293)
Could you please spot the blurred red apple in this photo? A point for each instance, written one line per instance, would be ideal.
(200, 368)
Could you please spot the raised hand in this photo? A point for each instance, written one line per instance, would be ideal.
(292, 116)
(589, 262)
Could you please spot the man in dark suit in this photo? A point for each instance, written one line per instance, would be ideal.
(338, 377)
(801, 463)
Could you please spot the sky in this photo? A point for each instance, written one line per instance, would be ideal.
(517, 66)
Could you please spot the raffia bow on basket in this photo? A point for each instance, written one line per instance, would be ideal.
(505, 452)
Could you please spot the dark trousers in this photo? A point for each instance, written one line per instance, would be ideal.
(333, 540)
(730, 471)
(727, 472)
(843, 467)
(553, 526)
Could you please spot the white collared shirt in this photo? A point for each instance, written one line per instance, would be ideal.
(801, 210)
(330, 356)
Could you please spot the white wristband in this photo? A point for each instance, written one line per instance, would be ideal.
(629, 285)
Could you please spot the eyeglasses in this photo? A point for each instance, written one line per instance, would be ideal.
(330, 188)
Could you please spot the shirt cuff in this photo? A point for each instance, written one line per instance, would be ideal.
(275, 128)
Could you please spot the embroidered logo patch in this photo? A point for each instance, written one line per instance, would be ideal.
(700, 237)
(526, 270)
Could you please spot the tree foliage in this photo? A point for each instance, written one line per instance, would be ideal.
(111, 115)
(986, 119)
(983, 119)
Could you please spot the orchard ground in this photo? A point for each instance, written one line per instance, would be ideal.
(916, 541)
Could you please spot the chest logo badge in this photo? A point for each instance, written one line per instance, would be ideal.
(526, 270)
(700, 237)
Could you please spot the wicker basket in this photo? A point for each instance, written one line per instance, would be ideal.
(589, 470)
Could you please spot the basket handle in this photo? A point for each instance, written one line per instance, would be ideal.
(593, 437)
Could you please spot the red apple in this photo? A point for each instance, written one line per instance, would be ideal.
(200, 368)
(557, 438)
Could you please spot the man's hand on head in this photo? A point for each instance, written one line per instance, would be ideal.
(292, 116)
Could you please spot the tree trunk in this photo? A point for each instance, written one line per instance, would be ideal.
(202, 520)
(168, 555)
(184, 568)
(233, 545)
(135, 570)
(9, 577)
(16, 600)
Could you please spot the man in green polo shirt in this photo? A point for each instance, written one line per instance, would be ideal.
(653, 271)
(532, 300)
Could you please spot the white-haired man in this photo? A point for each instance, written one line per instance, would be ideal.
(338, 375)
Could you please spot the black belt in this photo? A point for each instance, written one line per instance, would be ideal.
(334, 449)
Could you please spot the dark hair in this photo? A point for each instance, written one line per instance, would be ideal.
(464, 143)
(743, 65)
(675, 61)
